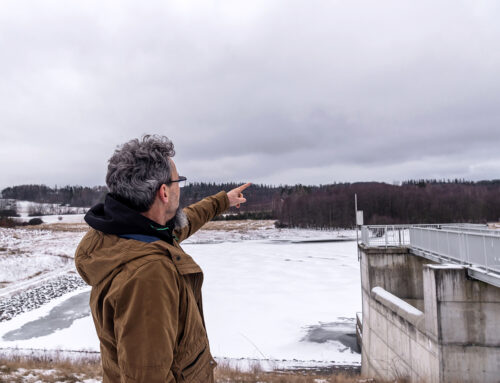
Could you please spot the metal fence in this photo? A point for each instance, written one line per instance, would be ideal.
(399, 235)
(470, 228)
(466, 245)
(388, 235)
(475, 246)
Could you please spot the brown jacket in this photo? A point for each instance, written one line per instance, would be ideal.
(146, 303)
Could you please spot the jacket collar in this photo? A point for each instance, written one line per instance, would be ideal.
(115, 217)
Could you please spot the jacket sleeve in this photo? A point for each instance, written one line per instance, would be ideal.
(201, 212)
(146, 319)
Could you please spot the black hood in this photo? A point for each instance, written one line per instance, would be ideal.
(114, 217)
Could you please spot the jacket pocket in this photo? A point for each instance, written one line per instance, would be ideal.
(199, 368)
(191, 366)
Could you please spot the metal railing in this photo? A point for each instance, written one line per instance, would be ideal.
(387, 235)
(470, 228)
(399, 235)
(468, 246)
(475, 246)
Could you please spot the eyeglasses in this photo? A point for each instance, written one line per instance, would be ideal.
(181, 180)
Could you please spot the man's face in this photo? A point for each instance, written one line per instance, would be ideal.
(173, 189)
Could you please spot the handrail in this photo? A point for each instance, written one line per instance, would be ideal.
(388, 235)
(475, 246)
(398, 235)
(473, 229)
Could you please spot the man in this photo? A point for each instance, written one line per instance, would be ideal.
(146, 291)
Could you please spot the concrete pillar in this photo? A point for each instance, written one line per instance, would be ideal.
(462, 316)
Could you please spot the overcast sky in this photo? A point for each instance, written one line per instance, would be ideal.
(264, 91)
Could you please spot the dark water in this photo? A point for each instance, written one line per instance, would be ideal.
(60, 317)
(343, 331)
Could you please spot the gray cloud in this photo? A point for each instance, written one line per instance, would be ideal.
(267, 91)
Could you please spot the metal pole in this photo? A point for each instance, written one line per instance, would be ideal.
(356, 220)
(485, 255)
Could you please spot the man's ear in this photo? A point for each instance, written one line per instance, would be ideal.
(162, 193)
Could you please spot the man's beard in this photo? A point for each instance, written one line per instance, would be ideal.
(181, 219)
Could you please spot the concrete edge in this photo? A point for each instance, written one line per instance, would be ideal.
(399, 306)
(445, 266)
(383, 249)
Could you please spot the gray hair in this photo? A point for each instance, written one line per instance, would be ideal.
(138, 168)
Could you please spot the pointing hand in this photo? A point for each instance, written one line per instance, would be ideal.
(236, 195)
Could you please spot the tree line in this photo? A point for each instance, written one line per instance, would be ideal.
(78, 196)
(412, 202)
(323, 206)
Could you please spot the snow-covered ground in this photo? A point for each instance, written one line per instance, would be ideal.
(51, 212)
(25, 253)
(24, 208)
(268, 294)
(66, 218)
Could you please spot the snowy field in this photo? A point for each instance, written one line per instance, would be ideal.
(270, 295)
(26, 253)
(24, 208)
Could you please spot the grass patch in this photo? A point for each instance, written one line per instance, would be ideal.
(56, 367)
(49, 368)
(226, 374)
(10, 252)
(35, 275)
(234, 225)
(239, 225)
(58, 227)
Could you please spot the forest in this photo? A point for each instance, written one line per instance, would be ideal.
(322, 206)
(81, 196)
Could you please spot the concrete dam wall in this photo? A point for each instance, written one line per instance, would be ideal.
(427, 322)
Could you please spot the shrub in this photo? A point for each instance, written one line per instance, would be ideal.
(7, 222)
(8, 213)
(35, 221)
(8, 208)
(254, 215)
(280, 225)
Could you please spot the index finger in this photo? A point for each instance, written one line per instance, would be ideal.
(244, 186)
